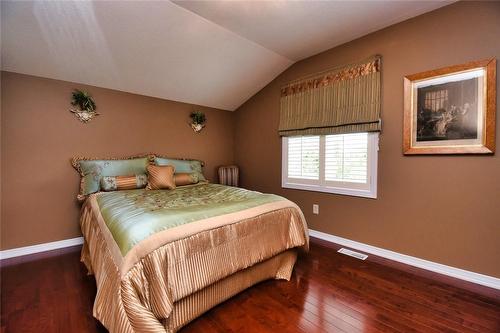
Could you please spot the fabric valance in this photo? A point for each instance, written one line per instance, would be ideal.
(341, 100)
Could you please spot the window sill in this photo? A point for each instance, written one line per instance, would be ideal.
(334, 190)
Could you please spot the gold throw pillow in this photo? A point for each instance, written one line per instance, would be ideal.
(160, 177)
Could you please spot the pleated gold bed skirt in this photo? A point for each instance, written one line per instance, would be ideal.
(191, 307)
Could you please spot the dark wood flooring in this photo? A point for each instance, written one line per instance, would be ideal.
(329, 292)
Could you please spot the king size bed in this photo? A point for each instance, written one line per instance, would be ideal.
(163, 257)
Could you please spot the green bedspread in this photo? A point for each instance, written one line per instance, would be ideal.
(133, 215)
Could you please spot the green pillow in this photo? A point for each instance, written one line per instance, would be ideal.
(183, 166)
(92, 171)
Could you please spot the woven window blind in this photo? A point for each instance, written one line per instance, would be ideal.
(338, 101)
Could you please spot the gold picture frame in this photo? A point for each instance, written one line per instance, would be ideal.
(451, 110)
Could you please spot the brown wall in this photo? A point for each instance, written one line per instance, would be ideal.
(441, 208)
(40, 135)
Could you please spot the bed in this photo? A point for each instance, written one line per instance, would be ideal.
(163, 257)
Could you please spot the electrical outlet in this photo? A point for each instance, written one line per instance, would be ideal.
(316, 209)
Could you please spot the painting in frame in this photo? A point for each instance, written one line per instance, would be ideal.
(451, 110)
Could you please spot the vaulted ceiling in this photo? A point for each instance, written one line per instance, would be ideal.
(211, 53)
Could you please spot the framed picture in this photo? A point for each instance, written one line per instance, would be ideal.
(451, 110)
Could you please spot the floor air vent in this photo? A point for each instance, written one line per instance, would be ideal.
(356, 255)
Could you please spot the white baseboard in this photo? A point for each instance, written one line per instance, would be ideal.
(22, 251)
(458, 273)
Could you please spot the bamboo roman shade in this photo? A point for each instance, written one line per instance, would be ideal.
(341, 100)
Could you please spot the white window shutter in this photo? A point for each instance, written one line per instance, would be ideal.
(346, 157)
(341, 164)
(303, 157)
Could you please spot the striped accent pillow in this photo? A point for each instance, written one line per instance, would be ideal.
(186, 178)
(160, 177)
(229, 175)
(117, 183)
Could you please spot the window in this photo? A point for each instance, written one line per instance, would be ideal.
(342, 164)
(436, 100)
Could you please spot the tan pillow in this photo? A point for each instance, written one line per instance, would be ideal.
(186, 178)
(160, 177)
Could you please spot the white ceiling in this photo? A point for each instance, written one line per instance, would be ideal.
(300, 29)
(211, 53)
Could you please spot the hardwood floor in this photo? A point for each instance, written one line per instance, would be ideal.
(329, 292)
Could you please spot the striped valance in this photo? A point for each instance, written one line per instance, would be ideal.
(341, 100)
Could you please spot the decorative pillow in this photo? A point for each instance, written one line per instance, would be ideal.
(160, 177)
(117, 183)
(92, 170)
(182, 166)
(185, 178)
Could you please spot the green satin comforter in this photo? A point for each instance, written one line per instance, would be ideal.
(133, 215)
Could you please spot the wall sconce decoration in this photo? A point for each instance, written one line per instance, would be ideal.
(85, 106)
(198, 120)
